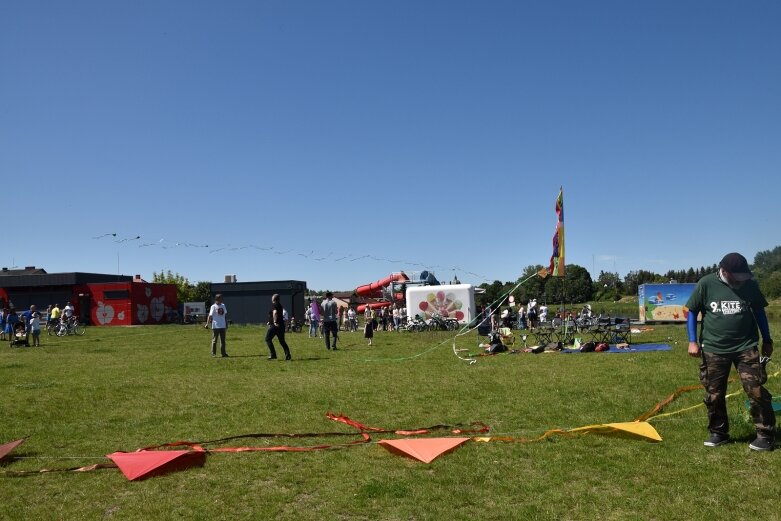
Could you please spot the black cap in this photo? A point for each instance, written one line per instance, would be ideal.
(736, 265)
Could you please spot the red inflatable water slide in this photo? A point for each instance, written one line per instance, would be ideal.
(374, 290)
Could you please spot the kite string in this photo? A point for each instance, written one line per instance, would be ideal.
(467, 329)
(654, 413)
(463, 331)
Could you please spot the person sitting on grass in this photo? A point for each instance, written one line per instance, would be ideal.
(495, 346)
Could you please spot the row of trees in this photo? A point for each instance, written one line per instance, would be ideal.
(579, 286)
(185, 290)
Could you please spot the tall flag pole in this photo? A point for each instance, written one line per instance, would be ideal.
(556, 268)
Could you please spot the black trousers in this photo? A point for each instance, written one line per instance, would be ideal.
(330, 327)
(279, 332)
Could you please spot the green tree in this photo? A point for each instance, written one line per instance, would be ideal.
(533, 288)
(635, 279)
(768, 261)
(492, 292)
(575, 287)
(201, 292)
(770, 284)
(607, 287)
(183, 286)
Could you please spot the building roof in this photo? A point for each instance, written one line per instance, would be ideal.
(28, 270)
(273, 285)
(26, 279)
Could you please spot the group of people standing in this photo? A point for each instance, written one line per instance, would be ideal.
(12, 324)
(325, 322)
(382, 319)
(30, 322)
(218, 320)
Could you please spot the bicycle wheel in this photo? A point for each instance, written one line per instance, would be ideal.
(51, 330)
(78, 329)
(61, 330)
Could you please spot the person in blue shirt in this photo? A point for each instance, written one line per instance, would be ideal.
(3, 315)
(10, 323)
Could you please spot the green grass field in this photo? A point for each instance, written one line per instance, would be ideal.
(120, 389)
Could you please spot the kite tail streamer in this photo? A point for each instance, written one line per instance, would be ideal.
(502, 298)
(654, 413)
(88, 468)
(656, 409)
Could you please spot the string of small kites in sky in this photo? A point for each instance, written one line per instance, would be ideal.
(311, 254)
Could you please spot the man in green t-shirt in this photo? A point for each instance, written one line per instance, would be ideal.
(733, 309)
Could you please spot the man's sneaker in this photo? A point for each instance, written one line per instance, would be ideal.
(716, 439)
(762, 444)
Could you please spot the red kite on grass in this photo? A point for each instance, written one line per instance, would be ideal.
(6, 448)
(148, 463)
(423, 449)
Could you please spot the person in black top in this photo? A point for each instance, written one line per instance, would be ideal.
(276, 327)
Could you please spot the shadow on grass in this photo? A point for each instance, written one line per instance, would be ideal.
(264, 357)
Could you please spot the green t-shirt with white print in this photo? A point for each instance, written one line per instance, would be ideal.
(728, 323)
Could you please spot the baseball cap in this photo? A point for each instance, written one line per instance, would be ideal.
(737, 265)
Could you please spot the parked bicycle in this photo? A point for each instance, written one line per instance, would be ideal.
(416, 324)
(438, 322)
(51, 326)
(70, 326)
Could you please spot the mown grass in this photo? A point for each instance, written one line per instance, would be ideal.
(79, 398)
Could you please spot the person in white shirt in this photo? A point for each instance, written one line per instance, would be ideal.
(218, 318)
(35, 327)
(67, 311)
(352, 316)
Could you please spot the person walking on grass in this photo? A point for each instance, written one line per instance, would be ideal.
(368, 331)
(733, 310)
(330, 320)
(276, 328)
(313, 319)
(218, 318)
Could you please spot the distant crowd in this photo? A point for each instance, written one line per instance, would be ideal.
(26, 326)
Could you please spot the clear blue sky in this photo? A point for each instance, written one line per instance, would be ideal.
(339, 141)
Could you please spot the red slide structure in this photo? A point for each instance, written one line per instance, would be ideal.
(374, 290)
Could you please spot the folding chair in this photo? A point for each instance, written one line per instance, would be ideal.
(622, 332)
(544, 335)
(602, 332)
(566, 332)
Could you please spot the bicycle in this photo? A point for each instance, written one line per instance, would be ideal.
(438, 322)
(51, 327)
(70, 326)
(416, 325)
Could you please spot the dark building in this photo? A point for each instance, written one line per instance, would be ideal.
(250, 302)
(98, 299)
(34, 286)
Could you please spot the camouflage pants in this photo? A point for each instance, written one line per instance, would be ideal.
(714, 372)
